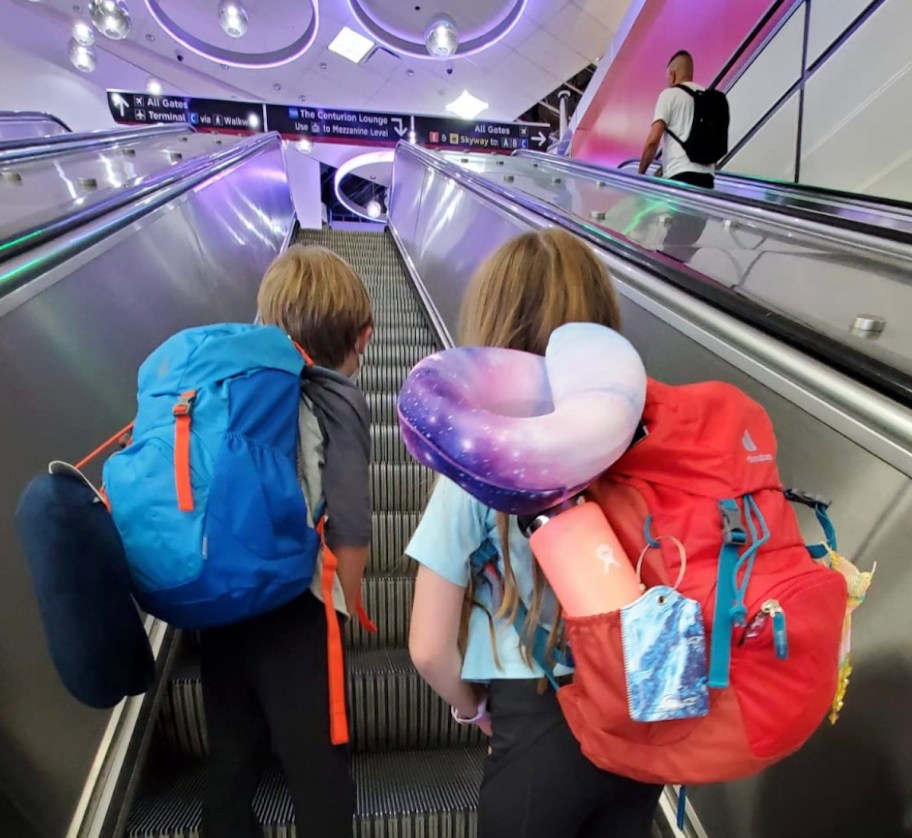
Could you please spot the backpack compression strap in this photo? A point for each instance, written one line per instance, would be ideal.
(338, 718)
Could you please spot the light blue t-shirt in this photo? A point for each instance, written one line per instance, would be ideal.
(452, 528)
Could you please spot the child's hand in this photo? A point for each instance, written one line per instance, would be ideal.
(484, 725)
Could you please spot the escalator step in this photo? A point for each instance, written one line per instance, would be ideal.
(377, 378)
(392, 708)
(397, 354)
(390, 533)
(382, 407)
(400, 487)
(412, 335)
(403, 795)
(387, 445)
(388, 600)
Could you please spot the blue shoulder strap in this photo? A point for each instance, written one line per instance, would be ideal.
(820, 505)
(484, 569)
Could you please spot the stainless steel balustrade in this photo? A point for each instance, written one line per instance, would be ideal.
(29, 124)
(886, 213)
(805, 280)
(836, 435)
(80, 313)
(40, 182)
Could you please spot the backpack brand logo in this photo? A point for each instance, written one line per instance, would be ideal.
(750, 446)
(605, 555)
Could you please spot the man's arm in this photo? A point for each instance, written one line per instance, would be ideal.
(352, 564)
(651, 149)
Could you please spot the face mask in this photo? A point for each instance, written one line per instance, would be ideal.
(355, 377)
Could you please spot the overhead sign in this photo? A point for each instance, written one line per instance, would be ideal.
(377, 128)
(338, 126)
(222, 115)
(329, 125)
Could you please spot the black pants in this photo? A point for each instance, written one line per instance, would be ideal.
(696, 179)
(265, 682)
(538, 784)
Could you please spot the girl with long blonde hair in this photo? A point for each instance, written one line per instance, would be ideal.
(537, 783)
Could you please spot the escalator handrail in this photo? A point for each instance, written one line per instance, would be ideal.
(865, 370)
(815, 222)
(127, 206)
(18, 151)
(32, 116)
(872, 202)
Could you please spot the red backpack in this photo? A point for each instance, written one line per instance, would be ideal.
(704, 472)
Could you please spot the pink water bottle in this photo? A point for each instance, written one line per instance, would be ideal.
(583, 561)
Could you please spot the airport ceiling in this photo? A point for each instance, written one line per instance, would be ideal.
(511, 53)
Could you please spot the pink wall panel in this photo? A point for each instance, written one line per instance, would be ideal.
(615, 125)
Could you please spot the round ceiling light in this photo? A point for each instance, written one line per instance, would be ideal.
(305, 145)
(154, 86)
(82, 57)
(374, 208)
(111, 18)
(233, 18)
(83, 34)
(442, 37)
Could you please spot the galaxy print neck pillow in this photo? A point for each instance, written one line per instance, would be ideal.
(522, 432)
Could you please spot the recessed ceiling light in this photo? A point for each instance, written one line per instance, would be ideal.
(351, 45)
(305, 145)
(466, 105)
(277, 87)
(302, 98)
(374, 208)
(323, 65)
(150, 37)
(154, 86)
(253, 121)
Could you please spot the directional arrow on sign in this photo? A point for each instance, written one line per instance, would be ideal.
(120, 104)
(540, 138)
(400, 128)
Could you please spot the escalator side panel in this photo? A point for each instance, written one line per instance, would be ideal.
(70, 344)
(458, 226)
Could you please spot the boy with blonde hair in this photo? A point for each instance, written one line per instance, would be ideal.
(267, 680)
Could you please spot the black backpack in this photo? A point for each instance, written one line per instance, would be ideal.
(708, 140)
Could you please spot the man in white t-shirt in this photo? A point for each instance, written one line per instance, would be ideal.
(674, 116)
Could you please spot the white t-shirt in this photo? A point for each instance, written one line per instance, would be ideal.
(676, 109)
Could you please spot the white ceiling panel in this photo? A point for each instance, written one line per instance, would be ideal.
(551, 54)
(582, 32)
(609, 13)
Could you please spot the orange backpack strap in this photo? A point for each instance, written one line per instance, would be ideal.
(119, 437)
(338, 718)
(182, 419)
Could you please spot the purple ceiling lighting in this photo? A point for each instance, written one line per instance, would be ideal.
(235, 58)
(418, 49)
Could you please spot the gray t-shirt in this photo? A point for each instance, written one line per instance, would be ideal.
(343, 418)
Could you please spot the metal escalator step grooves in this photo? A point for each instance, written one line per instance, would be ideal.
(388, 353)
(382, 407)
(400, 487)
(405, 795)
(390, 533)
(404, 335)
(388, 601)
(392, 709)
(380, 378)
(387, 445)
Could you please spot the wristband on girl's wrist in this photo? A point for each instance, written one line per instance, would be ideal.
(480, 715)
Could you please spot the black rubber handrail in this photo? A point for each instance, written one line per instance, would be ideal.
(141, 188)
(13, 116)
(35, 146)
(717, 199)
(862, 368)
(811, 190)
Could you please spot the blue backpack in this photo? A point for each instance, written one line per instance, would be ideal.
(207, 500)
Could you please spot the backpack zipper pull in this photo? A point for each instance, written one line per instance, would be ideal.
(780, 636)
